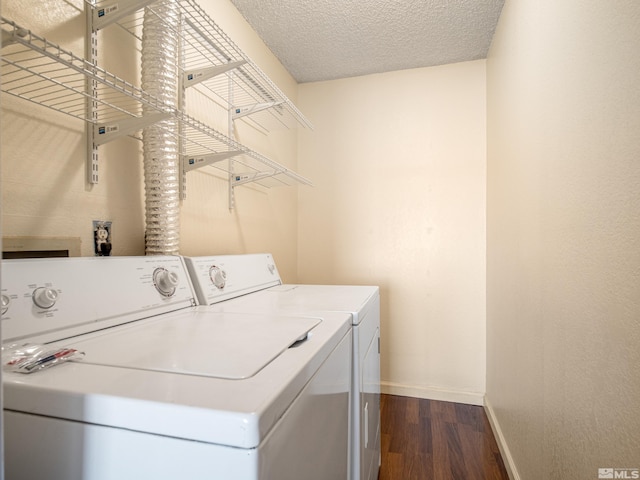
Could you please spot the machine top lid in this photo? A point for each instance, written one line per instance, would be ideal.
(230, 346)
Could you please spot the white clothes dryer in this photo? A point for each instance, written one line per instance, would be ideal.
(251, 283)
(166, 389)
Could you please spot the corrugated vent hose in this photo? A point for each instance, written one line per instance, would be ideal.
(160, 45)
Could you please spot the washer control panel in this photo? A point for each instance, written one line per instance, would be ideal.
(60, 297)
(220, 278)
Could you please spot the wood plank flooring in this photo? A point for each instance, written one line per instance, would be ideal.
(427, 439)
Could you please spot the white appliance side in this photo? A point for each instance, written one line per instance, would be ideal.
(46, 447)
(293, 452)
(366, 385)
(298, 446)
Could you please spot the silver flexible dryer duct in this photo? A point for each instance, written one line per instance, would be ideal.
(161, 150)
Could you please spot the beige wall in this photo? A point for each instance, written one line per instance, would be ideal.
(44, 192)
(398, 162)
(563, 236)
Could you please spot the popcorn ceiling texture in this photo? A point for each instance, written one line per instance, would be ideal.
(330, 39)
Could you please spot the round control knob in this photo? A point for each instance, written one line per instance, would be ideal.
(165, 281)
(218, 277)
(45, 297)
(5, 303)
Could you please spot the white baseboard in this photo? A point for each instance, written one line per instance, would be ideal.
(502, 444)
(432, 393)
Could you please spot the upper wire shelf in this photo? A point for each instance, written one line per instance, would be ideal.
(214, 64)
(41, 72)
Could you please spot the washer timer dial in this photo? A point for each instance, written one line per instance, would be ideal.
(165, 281)
(5, 303)
(218, 277)
(44, 297)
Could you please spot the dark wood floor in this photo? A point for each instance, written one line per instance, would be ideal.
(428, 439)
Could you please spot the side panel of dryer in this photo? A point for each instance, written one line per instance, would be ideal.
(292, 451)
(367, 386)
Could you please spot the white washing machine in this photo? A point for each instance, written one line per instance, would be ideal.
(251, 283)
(166, 389)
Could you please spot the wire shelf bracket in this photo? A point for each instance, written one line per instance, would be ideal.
(110, 13)
(239, 112)
(190, 163)
(104, 133)
(194, 77)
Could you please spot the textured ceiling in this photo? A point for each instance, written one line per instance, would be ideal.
(328, 39)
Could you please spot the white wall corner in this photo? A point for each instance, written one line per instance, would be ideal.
(432, 393)
(509, 464)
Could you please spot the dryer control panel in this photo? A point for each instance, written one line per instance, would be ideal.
(223, 277)
(61, 297)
